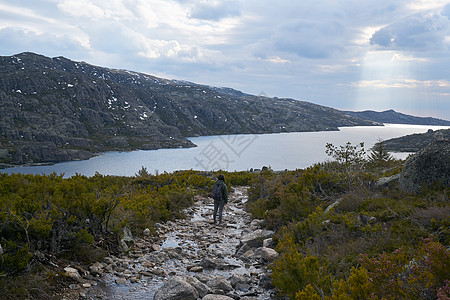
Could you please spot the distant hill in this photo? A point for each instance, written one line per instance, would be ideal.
(56, 109)
(414, 142)
(391, 116)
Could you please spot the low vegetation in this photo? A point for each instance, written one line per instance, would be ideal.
(342, 237)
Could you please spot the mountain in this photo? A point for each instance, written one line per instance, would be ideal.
(415, 142)
(393, 117)
(56, 109)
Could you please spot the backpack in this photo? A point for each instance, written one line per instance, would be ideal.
(217, 192)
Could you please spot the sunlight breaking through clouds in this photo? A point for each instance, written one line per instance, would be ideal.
(402, 83)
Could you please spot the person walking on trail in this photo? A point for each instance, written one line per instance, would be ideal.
(220, 196)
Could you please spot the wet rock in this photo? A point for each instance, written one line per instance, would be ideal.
(201, 288)
(174, 252)
(255, 238)
(158, 272)
(219, 282)
(202, 278)
(236, 278)
(196, 269)
(176, 289)
(268, 254)
(243, 287)
(209, 263)
(121, 280)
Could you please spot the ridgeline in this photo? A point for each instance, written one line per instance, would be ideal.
(56, 109)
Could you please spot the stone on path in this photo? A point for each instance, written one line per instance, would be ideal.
(201, 288)
(121, 281)
(219, 283)
(72, 273)
(268, 254)
(255, 239)
(216, 297)
(176, 289)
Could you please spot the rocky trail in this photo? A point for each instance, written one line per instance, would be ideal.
(192, 259)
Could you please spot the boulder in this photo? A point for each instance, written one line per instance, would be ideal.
(268, 243)
(176, 288)
(258, 223)
(127, 240)
(236, 279)
(387, 181)
(219, 283)
(201, 288)
(427, 168)
(121, 280)
(72, 273)
(255, 239)
(209, 263)
(268, 254)
(96, 269)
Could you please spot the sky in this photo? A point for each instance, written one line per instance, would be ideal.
(345, 54)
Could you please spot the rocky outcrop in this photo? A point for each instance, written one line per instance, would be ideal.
(55, 109)
(414, 142)
(428, 168)
(393, 117)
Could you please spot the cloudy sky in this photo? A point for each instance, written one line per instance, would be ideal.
(347, 54)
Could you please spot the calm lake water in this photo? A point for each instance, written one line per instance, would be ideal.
(232, 152)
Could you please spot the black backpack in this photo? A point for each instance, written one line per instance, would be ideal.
(217, 191)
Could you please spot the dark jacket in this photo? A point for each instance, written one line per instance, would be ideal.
(223, 188)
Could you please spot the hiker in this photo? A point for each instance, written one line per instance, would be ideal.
(220, 196)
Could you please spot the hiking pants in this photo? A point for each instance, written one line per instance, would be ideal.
(218, 205)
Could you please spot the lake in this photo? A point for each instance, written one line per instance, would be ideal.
(231, 152)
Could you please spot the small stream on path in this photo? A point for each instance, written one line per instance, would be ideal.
(211, 258)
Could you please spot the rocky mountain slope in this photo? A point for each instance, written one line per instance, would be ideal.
(55, 109)
(393, 117)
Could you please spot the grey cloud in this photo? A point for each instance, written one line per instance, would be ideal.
(421, 31)
(13, 41)
(215, 12)
(310, 39)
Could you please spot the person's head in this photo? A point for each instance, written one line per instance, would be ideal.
(221, 177)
